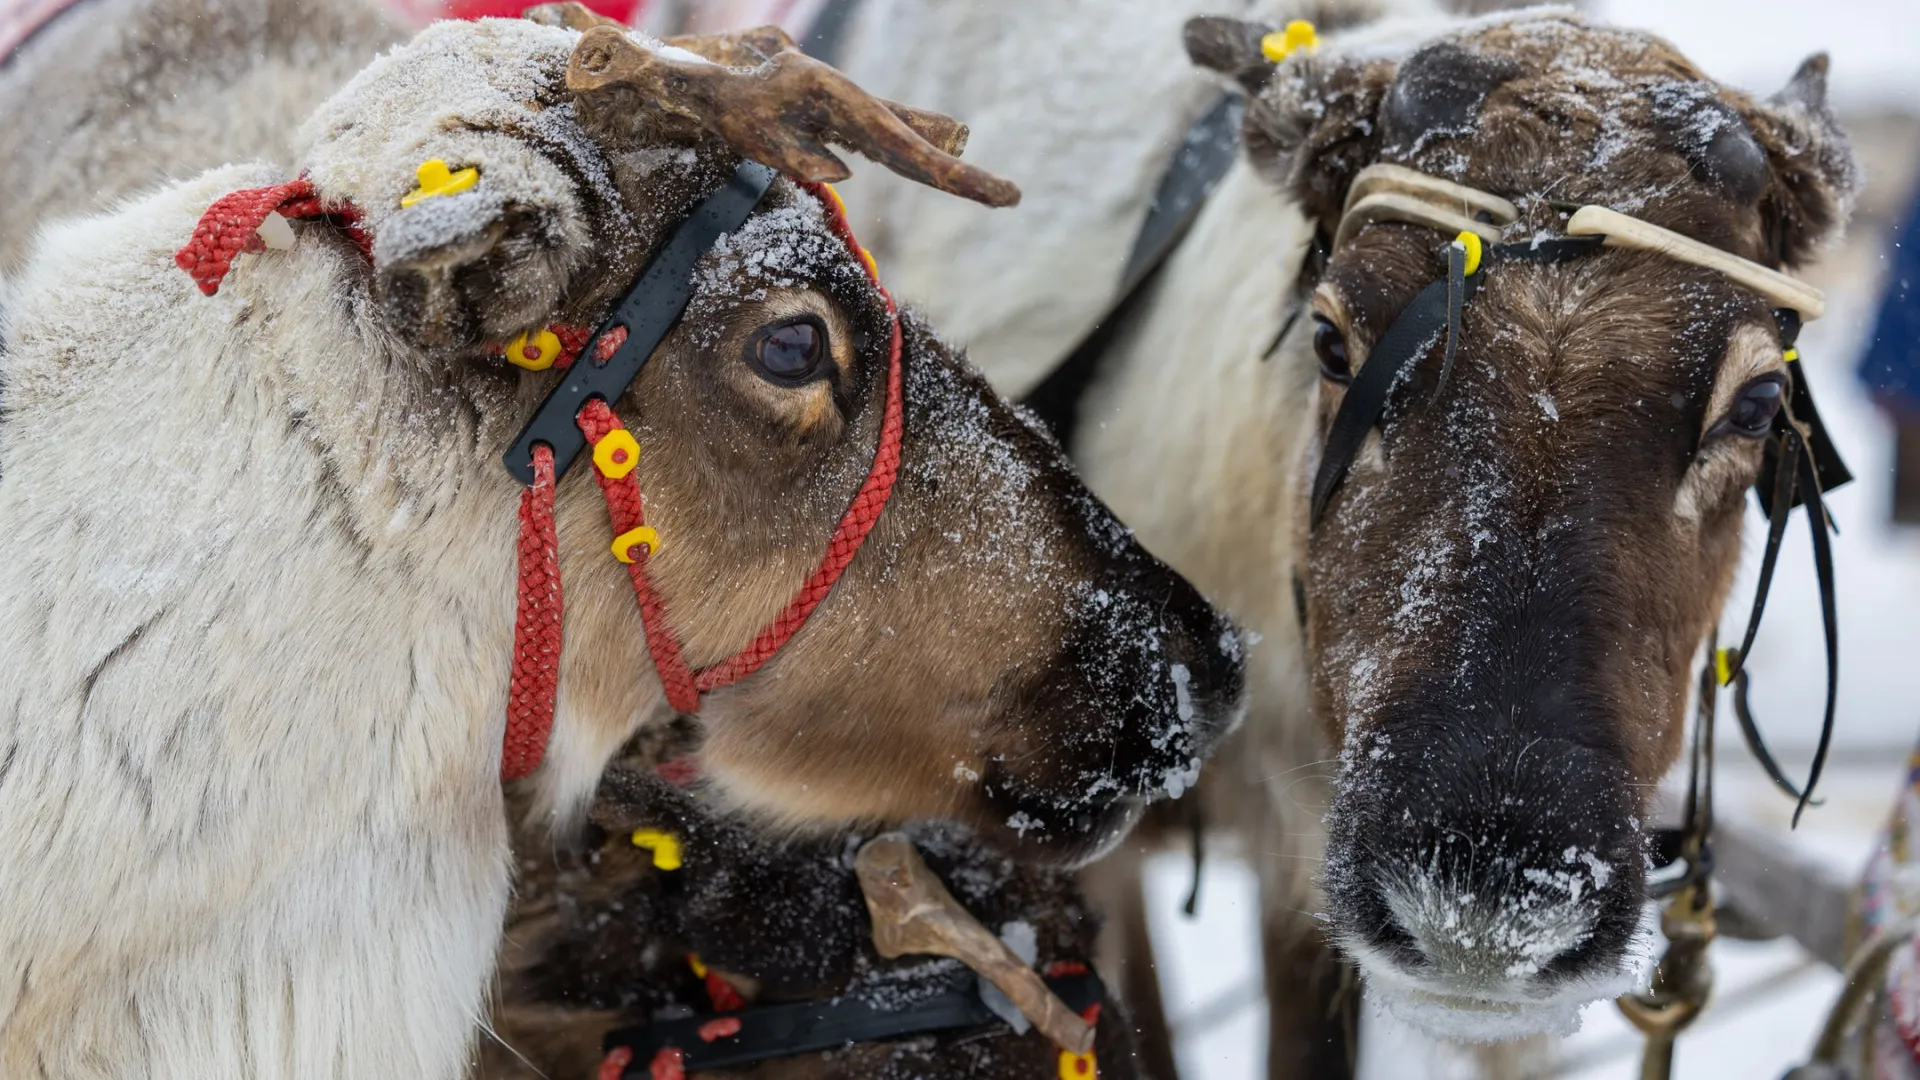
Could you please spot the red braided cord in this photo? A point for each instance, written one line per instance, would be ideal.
(858, 521)
(536, 627)
(668, 1064)
(625, 508)
(614, 1065)
(231, 226)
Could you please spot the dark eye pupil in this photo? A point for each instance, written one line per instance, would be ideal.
(1331, 348)
(1758, 405)
(789, 351)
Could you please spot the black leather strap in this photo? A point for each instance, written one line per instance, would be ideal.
(777, 1031)
(648, 311)
(1437, 308)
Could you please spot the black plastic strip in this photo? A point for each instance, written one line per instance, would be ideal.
(1784, 447)
(777, 1031)
(648, 311)
(1366, 398)
(1829, 617)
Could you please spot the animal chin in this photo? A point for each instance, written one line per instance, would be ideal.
(1503, 1012)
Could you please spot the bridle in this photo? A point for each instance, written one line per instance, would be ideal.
(1800, 465)
(577, 415)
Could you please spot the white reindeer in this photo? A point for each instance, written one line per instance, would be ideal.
(261, 573)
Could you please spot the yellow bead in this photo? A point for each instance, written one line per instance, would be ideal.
(664, 845)
(1077, 1066)
(1299, 34)
(435, 178)
(643, 536)
(1792, 355)
(616, 454)
(1470, 241)
(536, 352)
(1723, 666)
(699, 969)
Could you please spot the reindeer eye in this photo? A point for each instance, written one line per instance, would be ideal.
(1753, 411)
(790, 352)
(1331, 347)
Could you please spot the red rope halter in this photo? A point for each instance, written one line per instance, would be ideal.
(230, 226)
(536, 638)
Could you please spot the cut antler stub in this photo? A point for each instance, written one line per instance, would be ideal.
(784, 110)
(913, 913)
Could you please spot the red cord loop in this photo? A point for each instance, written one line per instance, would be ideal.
(231, 226)
(537, 650)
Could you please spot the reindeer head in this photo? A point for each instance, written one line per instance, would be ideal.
(1503, 601)
(999, 651)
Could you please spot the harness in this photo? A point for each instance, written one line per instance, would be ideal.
(577, 416)
(1800, 465)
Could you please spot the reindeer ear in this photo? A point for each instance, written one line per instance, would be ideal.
(1230, 47)
(1314, 124)
(1813, 174)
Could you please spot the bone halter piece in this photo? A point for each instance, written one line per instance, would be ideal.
(1800, 463)
(1630, 232)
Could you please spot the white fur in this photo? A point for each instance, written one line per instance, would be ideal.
(260, 603)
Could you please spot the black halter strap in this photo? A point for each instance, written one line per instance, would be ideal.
(648, 312)
(1800, 465)
(1436, 310)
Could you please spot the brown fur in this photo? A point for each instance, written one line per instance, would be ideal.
(1529, 561)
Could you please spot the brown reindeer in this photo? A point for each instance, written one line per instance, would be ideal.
(1496, 618)
(261, 576)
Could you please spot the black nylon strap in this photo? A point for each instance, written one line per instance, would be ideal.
(778, 1031)
(1437, 308)
(648, 311)
(1366, 398)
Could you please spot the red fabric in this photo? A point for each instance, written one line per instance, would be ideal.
(868, 502)
(231, 226)
(719, 1028)
(679, 771)
(668, 1064)
(721, 992)
(536, 627)
(614, 1065)
(624, 10)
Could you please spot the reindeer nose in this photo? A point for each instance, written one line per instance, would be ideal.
(1484, 858)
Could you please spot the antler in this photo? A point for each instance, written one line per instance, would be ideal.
(914, 913)
(781, 109)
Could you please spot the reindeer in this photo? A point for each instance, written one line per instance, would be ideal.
(263, 565)
(1494, 621)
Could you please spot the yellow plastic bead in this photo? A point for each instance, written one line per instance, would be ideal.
(535, 352)
(1299, 34)
(699, 969)
(1792, 355)
(624, 544)
(1470, 241)
(616, 454)
(1723, 665)
(1077, 1066)
(435, 178)
(665, 847)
